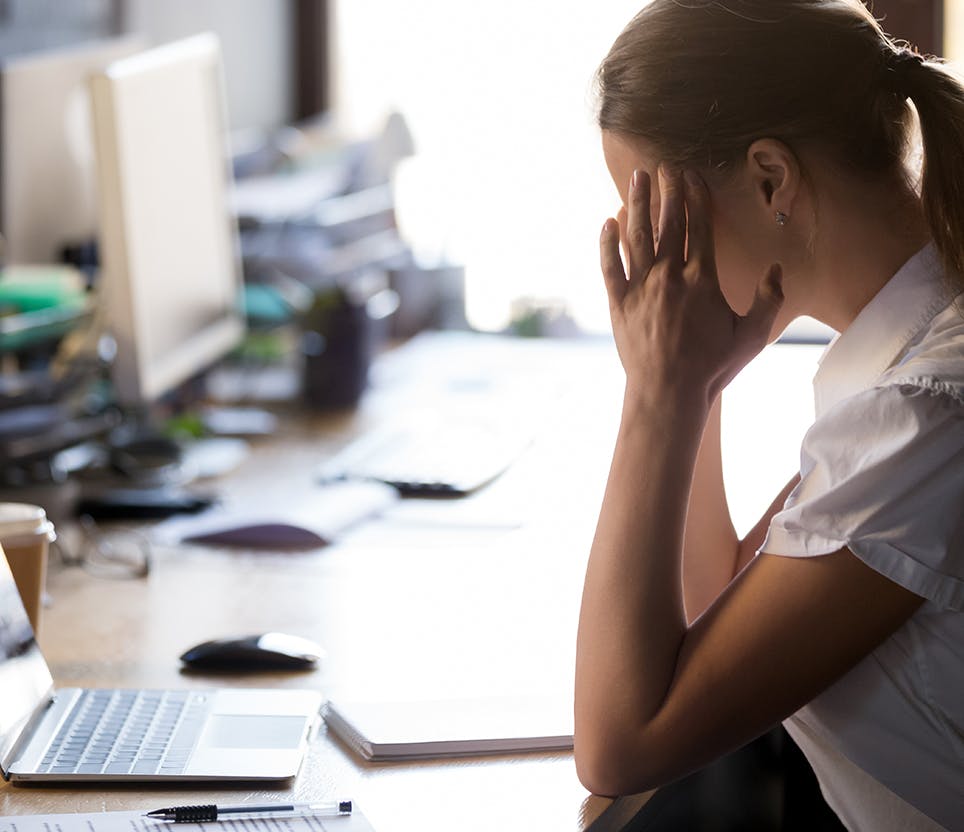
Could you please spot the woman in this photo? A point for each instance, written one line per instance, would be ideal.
(763, 152)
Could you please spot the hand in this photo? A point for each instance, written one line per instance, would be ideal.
(674, 330)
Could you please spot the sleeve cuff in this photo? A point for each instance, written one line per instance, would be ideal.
(779, 541)
(944, 591)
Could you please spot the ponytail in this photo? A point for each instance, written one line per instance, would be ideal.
(938, 97)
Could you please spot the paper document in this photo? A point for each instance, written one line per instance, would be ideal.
(137, 822)
(452, 728)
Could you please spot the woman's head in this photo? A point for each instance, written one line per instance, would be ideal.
(701, 80)
(698, 82)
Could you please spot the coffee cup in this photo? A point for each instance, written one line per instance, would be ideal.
(25, 535)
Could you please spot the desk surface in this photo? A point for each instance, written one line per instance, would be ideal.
(432, 600)
(435, 599)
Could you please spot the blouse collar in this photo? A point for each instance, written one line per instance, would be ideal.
(882, 329)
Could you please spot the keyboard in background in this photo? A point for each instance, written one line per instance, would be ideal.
(430, 459)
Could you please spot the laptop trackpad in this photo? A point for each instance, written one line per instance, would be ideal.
(256, 731)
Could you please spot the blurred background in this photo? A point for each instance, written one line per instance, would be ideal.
(506, 176)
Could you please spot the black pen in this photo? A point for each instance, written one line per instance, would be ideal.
(211, 813)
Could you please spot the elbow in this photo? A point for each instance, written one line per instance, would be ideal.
(612, 766)
(596, 774)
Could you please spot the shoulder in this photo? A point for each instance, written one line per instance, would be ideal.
(904, 432)
(934, 360)
(922, 388)
(882, 473)
(913, 412)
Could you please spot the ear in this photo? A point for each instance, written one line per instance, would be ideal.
(774, 171)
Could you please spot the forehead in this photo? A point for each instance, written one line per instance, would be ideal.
(624, 154)
(628, 151)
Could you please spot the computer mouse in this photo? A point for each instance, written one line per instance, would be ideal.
(267, 535)
(266, 651)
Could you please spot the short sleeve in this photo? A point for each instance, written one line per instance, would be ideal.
(882, 473)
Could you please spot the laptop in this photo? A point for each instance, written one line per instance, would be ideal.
(101, 734)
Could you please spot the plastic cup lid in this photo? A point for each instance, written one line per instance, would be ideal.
(22, 519)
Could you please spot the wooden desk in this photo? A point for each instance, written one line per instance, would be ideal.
(462, 598)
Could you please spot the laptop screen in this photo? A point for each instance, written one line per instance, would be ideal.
(25, 680)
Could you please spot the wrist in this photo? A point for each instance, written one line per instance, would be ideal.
(669, 408)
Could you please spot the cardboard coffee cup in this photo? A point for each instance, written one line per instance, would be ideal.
(25, 535)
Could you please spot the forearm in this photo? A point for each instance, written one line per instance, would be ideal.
(710, 543)
(713, 554)
(632, 620)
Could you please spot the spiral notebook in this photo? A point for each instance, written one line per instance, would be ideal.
(451, 728)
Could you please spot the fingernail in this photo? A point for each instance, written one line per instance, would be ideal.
(692, 178)
(634, 180)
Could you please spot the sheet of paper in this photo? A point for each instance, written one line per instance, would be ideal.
(137, 822)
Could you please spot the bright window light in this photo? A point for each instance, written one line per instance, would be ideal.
(508, 176)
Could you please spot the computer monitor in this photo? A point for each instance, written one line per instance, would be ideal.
(171, 280)
(47, 194)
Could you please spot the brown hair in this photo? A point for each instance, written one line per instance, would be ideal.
(702, 79)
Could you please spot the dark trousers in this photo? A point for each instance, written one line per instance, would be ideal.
(766, 786)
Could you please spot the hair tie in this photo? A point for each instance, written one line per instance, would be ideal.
(899, 66)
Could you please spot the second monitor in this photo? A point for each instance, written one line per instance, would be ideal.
(47, 197)
(171, 281)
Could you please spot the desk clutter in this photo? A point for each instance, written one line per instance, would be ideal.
(101, 734)
(325, 278)
(434, 614)
(234, 446)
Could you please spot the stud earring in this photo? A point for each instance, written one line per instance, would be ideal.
(782, 219)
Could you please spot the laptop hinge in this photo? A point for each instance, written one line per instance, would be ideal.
(20, 733)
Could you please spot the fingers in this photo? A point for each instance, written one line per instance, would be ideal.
(685, 230)
(639, 227)
(623, 219)
(612, 265)
(672, 214)
(699, 227)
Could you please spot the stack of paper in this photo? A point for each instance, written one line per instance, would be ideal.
(451, 728)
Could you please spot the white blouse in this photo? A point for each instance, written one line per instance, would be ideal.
(882, 473)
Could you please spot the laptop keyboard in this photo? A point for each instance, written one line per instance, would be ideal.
(127, 732)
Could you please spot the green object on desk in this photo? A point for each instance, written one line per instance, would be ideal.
(35, 289)
(187, 425)
(39, 304)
